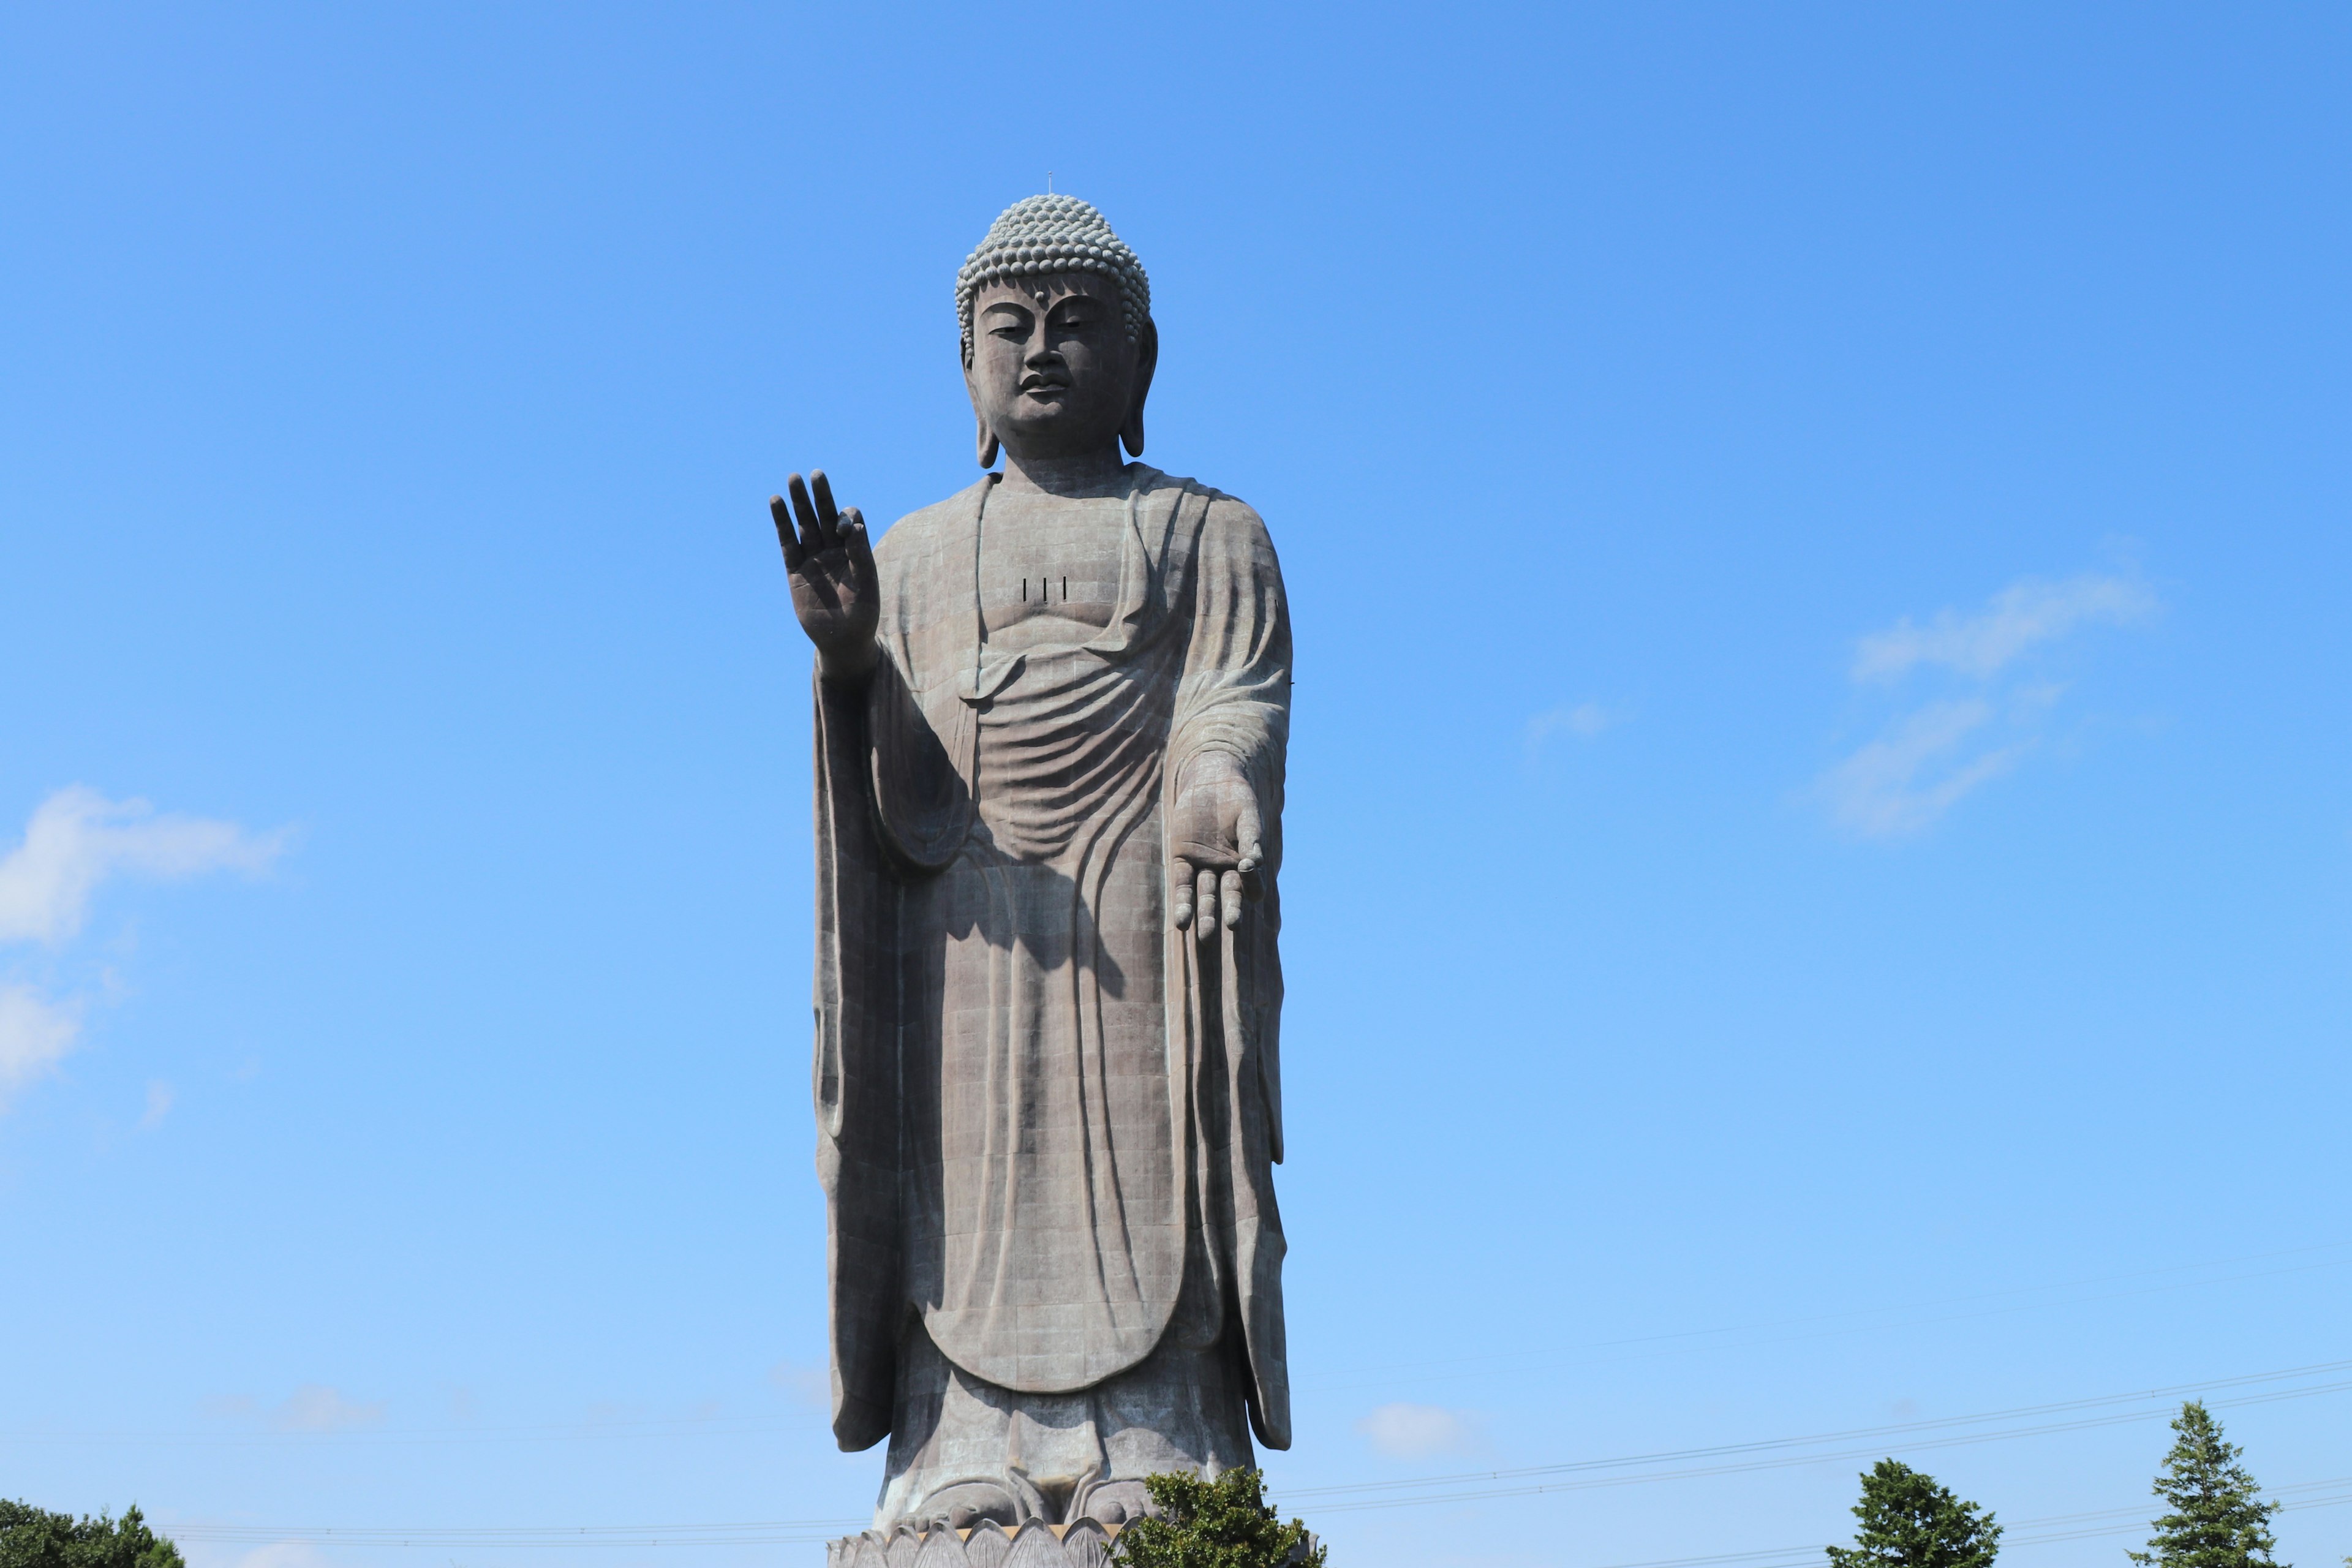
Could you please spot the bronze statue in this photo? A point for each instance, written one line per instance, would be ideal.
(1051, 713)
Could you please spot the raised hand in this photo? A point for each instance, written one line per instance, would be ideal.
(1213, 844)
(834, 591)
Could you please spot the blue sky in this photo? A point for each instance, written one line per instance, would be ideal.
(1820, 878)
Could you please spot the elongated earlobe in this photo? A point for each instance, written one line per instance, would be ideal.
(1146, 360)
(984, 443)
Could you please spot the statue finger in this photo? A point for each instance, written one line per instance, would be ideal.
(860, 548)
(1180, 899)
(812, 537)
(783, 516)
(1230, 892)
(1247, 828)
(828, 516)
(1204, 900)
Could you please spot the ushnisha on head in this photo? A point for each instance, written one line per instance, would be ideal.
(1038, 236)
(1058, 342)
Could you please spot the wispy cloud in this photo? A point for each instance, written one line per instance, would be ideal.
(1583, 719)
(78, 838)
(314, 1407)
(34, 1036)
(284, 1554)
(2028, 612)
(159, 1096)
(1417, 1431)
(804, 1384)
(75, 842)
(1929, 758)
(1915, 772)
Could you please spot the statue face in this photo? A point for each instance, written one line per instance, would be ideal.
(1052, 370)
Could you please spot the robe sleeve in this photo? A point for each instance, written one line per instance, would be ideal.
(891, 805)
(1235, 698)
(855, 1073)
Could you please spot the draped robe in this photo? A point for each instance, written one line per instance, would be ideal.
(1045, 1115)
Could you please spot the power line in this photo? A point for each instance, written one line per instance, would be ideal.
(1914, 1434)
(788, 1532)
(2136, 1519)
(1574, 1476)
(1792, 1461)
(774, 1533)
(1504, 1361)
(1390, 1374)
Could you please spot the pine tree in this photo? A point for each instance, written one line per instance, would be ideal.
(1909, 1522)
(2217, 1519)
(1223, 1523)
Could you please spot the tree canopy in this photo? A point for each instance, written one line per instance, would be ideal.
(1909, 1522)
(35, 1537)
(1223, 1523)
(2218, 1517)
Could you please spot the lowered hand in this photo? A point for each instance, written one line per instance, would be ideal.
(1213, 848)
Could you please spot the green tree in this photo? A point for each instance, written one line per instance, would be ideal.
(35, 1537)
(1223, 1523)
(1909, 1522)
(2218, 1520)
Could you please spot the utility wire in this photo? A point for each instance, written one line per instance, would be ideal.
(1790, 1461)
(1907, 1430)
(2022, 1533)
(1579, 1475)
(1891, 1317)
(1366, 1376)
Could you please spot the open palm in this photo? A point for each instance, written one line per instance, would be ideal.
(1213, 848)
(836, 592)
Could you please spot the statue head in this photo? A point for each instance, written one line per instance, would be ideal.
(1058, 344)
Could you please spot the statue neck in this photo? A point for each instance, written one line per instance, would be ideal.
(1096, 473)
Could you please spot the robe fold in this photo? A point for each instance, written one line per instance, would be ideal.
(1038, 1104)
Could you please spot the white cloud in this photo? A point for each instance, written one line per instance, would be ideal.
(1416, 1431)
(1913, 773)
(809, 1386)
(34, 1034)
(284, 1554)
(78, 838)
(2029, 611)
(315, 1407)
(1925, 761)
(159, 1096)
(197, 1536)
(1583, 719)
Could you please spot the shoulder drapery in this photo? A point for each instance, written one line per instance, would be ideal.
(1234, 697)
(1202, 622)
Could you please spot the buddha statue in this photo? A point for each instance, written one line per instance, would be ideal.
(1050, 719)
